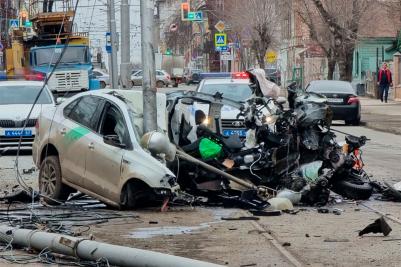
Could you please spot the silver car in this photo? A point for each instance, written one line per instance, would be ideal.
(163, 79)
(16, 99)
(91, 143)
(103, 77)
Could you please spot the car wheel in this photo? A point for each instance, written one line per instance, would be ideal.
(159, 84)
(134, 194)
(102, 84)
(53, 190)
(354, 122)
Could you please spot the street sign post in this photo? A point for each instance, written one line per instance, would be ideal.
(226, 55)
(220, 26)
(221, 48)
(220, 39)
(271, 56)
(13, 23)
(195, 16)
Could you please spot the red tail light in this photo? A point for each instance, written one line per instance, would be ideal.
(353, 100)
(240, 75)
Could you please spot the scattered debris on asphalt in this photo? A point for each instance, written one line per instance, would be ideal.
(378, 226)
(286, 244)
(241, 218)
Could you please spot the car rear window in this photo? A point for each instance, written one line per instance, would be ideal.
(23, 94)
(234, 91)
(330, 87)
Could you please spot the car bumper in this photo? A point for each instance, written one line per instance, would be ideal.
(11, 142)
(346, 112)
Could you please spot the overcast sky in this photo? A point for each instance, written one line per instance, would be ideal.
(96, 24)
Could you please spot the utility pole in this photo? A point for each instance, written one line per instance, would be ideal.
(125, 46)
(148, 67)
(114, 42)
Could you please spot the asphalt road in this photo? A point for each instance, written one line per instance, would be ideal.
(314, 239)
(311, 238)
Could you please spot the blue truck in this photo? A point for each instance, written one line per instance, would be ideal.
(73, 72)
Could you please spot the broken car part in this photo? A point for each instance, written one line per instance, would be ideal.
(378, 226)
(92, 250)
(262, 190)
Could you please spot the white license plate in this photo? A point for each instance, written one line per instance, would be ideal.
(335, 100)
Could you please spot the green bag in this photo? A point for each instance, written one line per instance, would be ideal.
(209, 149)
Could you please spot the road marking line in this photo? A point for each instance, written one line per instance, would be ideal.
(275, 243)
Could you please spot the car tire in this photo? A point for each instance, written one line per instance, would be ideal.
(159, 84)
(102, 84)
(51, 187)
(356, 187)
(354, 122)
(132, 195)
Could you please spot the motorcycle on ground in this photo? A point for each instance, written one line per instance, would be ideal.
(342, 166)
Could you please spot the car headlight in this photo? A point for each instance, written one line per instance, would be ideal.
(270, 120)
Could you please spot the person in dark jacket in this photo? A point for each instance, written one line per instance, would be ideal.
(384, 81)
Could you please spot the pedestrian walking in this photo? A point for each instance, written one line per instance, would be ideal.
(384, 81)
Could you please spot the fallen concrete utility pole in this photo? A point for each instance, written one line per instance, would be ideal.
(93, 250)
(262, 190)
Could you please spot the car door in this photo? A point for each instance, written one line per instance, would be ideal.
(77, 129)
(104, 161)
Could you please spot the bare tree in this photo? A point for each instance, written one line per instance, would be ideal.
(319, 33)
(342, 18)
(260, 20)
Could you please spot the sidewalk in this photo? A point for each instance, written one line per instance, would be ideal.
(381, 116)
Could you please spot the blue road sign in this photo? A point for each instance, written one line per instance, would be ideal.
(108, 42)
(220, 39)
(222, 48)
(198, 16)
(13, 23)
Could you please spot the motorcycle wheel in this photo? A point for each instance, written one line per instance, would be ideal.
(356, 186)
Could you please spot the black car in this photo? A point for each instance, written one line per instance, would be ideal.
(341, 97)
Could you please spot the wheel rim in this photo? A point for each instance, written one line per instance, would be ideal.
(48, 180)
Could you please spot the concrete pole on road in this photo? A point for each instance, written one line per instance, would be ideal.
(148, 67)
(114, 43)
(125, 71)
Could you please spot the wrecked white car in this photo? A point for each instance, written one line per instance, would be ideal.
(91, 143)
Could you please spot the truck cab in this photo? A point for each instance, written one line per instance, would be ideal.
(74, 70)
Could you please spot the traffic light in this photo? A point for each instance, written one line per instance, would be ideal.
(184, 11)
(169, 52)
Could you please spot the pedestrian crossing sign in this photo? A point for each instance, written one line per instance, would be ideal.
(220, 39)
(13, 23)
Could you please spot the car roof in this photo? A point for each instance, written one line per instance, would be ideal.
(225, 81)
(330, 82)
(21, 82)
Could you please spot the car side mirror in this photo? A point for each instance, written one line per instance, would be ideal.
(60, 100)
(113, 140)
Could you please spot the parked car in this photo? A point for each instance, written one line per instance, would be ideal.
(236, 88)
(163, 79)
(192, 76)
(273, 75)
(91, 143)
(102, 76)
(341, 97)
(16, 99)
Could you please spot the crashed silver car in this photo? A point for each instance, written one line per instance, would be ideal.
(91, 143)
